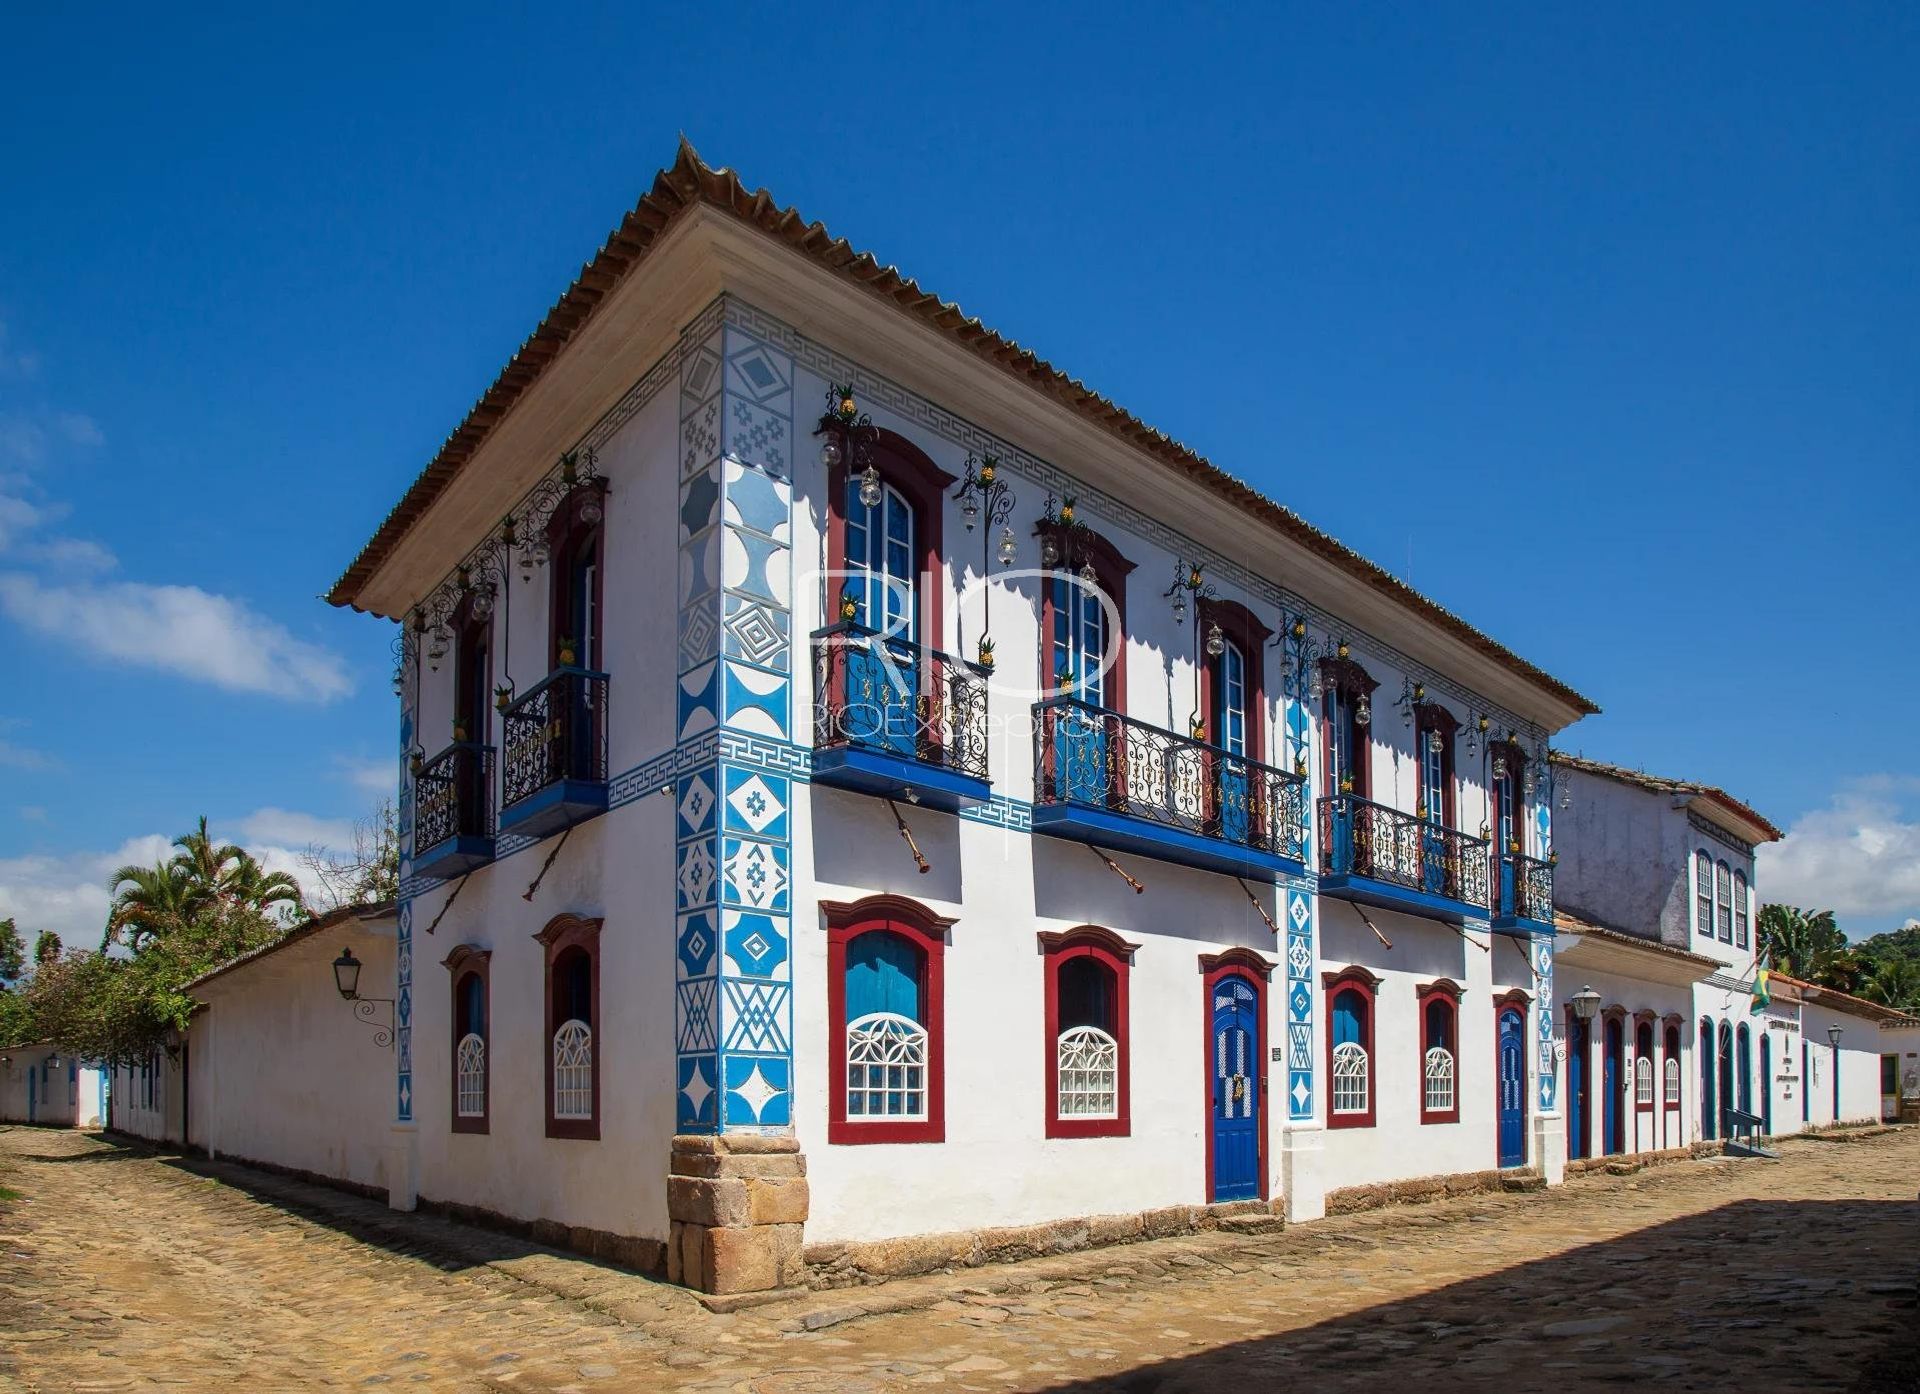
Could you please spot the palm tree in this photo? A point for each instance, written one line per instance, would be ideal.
(1894, 982)
(148, 902)
(207, 865)
(255, 887)
(1798, 942)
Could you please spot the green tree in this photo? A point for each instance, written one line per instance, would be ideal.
(148, 902)
(1894, 982)
(1799, 943)
(13, 952)
(46, 947)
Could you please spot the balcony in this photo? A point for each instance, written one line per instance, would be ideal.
(453, 811)
(1523, 895)
(1103, 778)
(1377, 855)
(898, 720)
(555, 738)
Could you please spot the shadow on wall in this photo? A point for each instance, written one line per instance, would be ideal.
(1756, 1295)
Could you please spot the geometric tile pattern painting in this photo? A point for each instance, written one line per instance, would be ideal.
(403, 933)
(1299, 930)
(1542, 947)
(733, 999)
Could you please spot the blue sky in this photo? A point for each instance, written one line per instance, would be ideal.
(1601, 323)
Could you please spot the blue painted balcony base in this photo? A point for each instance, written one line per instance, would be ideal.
(891, 776)
(1519, 926)
(453, 856)
(1386, 895)
(560, 805)
(1120, 832)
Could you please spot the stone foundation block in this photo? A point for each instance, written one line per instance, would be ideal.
(779, 1201)
(737, 1204)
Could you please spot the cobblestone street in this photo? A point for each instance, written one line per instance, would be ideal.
(121, 1269)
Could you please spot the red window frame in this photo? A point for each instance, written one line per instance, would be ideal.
(1241, 962)
(1342, 677)
(1514, 791)
(846, 922)
(1110, 569)
(1444, 990)
(564, 932)
(1116, 955)
(1367, 985)
(1670, 1040)
(468, 960)
(1239, 624)
(1645, 1022)
(473, 671)
(924, 485)
(567, 534)
(1431, 716)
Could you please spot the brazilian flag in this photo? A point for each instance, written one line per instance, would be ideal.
(1762, 992)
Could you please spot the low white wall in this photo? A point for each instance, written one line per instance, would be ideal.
(1859, 1066)
(279, 1069)
(54, 1096)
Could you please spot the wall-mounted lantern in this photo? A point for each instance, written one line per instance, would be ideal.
(1585, 1003)
(346, 979)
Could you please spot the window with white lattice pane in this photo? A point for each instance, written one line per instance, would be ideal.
(573, 1070)
(1703, 895)
(1438, 1096)
(1349, 1078)
(1673, 1080)
(1643, 1081)
(886, 1068)
(471, 1066)
(1723, 902)
(1089, 1064)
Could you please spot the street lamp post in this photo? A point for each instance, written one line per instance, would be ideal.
(346, 980)
(1833, 1036)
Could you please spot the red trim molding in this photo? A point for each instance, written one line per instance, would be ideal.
(1115, 955)
(1360, 980)
(914, 922)
(564, 932)
(1243, 627)
(924, 484)
(1231, 963)
(469, 960)
(1431, 716)
(1110, 574)
(1448, 992)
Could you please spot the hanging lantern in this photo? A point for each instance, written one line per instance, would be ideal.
(1009, 549)
(1436, 742)
(1087, 574)
(437, 649)
(1499, 767)
(483, 602)
(1299, 627)
(1528, 779)
(969, 511)
(830, 449)
(869, 487)
(1316, 685)
(1216, 641)
(1363, 711)
(1179, 607)
(1049, 551)
(590, 511)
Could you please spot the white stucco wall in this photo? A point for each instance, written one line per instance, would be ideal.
(280, 1071)
(63, 1094)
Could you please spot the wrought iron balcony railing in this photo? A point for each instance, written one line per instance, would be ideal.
(556, 732)
(1087, 755)
(1523, 890)
(889, 696)
(453, 795)
(1362, 838)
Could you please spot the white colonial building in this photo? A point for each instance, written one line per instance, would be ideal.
(860, 783)
(42, 1082)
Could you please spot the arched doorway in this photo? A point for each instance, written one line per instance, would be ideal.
(1709, 1117)
(1766, 1084)
(1579, 1141)
(1726, 1078)
(1613, 1073)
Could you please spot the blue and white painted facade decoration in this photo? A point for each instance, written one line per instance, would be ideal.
(733, 1008)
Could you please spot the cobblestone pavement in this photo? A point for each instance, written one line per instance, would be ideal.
(124, 1269)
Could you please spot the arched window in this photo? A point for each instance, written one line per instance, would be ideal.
(1643, 1066)
(573, 1016)
(1703, 895)
(886, 556)
(1723, 903)
(1439, 1051)
(1509, 794)
(469, 968)
(1433, 734)
(1672, 1067)
(575, 584)
(885, 1059)
(1350, 1002)
(1346, 697)
(1084, 619)
(1740, 909)
(1087, 972)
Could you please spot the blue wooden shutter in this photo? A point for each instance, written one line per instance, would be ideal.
(883, 975)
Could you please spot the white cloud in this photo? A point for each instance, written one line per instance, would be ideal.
(285, 828)
(68, 893)
(178, 629)
(369, 776)
(1860, 855)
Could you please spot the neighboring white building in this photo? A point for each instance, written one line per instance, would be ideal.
(43, 1083)
(275, 1068)
(761, 895)
(1860, 1060)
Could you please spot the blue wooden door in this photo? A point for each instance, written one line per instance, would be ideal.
(1236, 1090)
(1709, 1115)
(1230, 734)
(883, 672)
(1745, 1066)
(1727, 1099)
(1610, 1089)
(1513, 1087)
(1081, 738)
(1766, 1083)
(1577, 1139)
(1806, 1098)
